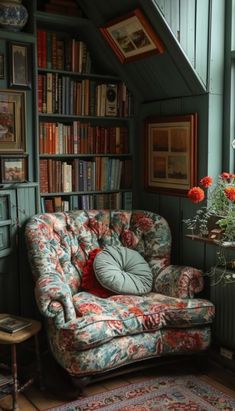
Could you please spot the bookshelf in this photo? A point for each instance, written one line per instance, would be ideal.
(83, 122)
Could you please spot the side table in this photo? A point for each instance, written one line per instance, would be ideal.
(17, 338)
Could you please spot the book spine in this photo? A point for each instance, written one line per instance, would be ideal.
(43, 168)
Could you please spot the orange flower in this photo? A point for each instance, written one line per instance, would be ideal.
(225, 175)
(230, 193)
(196, 194)
(206, 181)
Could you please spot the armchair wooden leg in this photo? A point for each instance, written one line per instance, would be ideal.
(39, 364)
(15, 378)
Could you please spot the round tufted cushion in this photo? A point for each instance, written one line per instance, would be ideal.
(123, 271)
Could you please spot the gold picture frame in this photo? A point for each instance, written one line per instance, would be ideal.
(19, 64)
(171, 153)
(12, 121)
(132, 37)
(13, 169)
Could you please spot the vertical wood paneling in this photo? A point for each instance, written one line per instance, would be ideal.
(189, 22)
(161, 5)
(170, 210)
(170, 10)
(187, 28)
(224, 324)
(9, 284)
(217, 47)
(202, 41)
(27, 206)
(215, 131)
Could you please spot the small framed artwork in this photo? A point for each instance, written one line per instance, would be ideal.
(171, 154)
(2, 71)
(13, 169)
(132, 37)
(12, 121)
(19, 63)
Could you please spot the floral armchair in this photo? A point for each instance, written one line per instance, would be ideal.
(90, 334)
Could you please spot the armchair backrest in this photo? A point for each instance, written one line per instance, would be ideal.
(59, 243)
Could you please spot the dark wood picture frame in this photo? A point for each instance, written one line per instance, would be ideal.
(132, 37)
(20, 62)
(12, 121)
(2, 66)
(171, 154)
(14, 169)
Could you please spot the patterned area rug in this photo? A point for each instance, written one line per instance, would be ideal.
(187, 393)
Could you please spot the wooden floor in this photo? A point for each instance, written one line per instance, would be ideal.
(60, 392)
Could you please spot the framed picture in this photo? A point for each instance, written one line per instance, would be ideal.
(171, 153)
(12, 121)
(132, 37)
(2, 71)
(19, 63)
(13, 169)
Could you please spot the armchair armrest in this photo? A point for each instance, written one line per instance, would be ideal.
(53, 297)
(179, 281)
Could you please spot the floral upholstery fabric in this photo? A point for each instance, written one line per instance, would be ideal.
(117, 330)
(123, 351)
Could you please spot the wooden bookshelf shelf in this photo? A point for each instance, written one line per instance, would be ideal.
(94, 76)
(94, 119)
(17, 36)
(210, 241)
(88, 155)
(60, 21)
(72, 193)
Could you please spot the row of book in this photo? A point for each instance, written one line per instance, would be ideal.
(61, 94)
(87, 202)
(66, 7)
(82, 138)
(100, 174)
(69, 54)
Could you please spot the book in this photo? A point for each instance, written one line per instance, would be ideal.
(12, 324)
(5, 379)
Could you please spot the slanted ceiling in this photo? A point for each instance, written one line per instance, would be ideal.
(156, 77)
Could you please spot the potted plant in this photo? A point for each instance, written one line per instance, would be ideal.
(215, 219)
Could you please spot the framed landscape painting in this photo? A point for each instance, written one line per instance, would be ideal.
(13, 169)
(12, 121)
(171, 153)
(132, 37)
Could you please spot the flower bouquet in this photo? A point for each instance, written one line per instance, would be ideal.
(215, 220)
(220, 204)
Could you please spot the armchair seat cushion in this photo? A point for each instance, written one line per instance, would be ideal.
(100, 320)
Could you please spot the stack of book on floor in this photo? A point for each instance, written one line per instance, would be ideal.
(6, 382)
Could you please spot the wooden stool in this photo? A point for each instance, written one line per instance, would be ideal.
(17, 338)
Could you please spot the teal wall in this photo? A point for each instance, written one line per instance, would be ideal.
(186, 78)
(209, 106)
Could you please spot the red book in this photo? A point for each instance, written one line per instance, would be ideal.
(48, 204)
(40, 92)
(43, 166)
(44, 49)
(39, 47)
(54, 50)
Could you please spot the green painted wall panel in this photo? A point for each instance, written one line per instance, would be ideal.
(202, 46)
(187, 28)
(170, 209)
(215, 134)
(217, 47)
